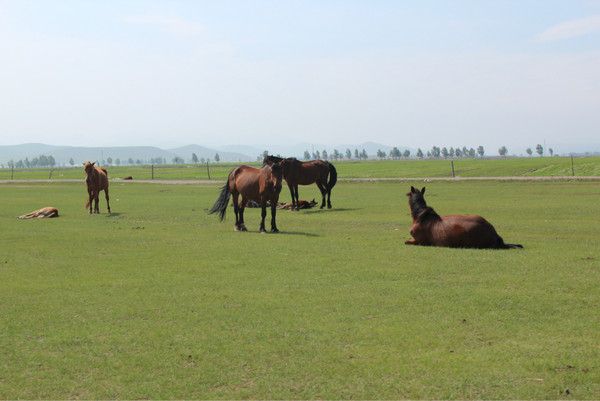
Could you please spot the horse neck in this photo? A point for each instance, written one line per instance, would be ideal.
(420, 211)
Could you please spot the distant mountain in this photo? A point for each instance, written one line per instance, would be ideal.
(62, 154)
(229, 153)
(202, 152)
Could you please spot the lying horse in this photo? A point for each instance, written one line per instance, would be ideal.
(455, 231)
(258, 185)
(297, 173)
(45, 212)
(96, 179)
(301, 204)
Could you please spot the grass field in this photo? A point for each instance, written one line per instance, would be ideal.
(540, 166)
(160, 300)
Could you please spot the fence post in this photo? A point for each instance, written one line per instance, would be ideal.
(12, 172)
(572, 167)
(50, 174)
(452, 165)
(207, 170)
(152, 171)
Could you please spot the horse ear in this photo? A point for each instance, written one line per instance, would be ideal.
(93, 163)
(423, 191)
(412, 189)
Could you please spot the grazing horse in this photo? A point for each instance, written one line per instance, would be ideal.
(96, 180)
(297, 172)
(455, 231)
(259, 185)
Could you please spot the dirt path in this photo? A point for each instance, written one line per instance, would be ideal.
(398, 179)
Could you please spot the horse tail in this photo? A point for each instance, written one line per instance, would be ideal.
(105, 172)
(222, 201)
(87, 203)
(332, 176)
(504, 245)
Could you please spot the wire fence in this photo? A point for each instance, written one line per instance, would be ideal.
(493, 167)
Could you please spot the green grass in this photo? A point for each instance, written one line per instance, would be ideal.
(160, 300)
(533, 166)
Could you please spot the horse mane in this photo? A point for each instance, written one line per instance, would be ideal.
(420, 211)
(426, 213)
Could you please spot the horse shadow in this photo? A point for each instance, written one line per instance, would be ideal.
(342, 209)
(298, 233)
(113, 214)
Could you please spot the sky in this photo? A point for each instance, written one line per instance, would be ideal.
(406, 73)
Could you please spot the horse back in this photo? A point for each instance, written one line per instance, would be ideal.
(312, 171)
(465, 231)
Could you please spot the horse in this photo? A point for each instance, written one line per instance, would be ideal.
(259, 185)
(454, 231)
(96, 180)
(45, 212)
(297, 172)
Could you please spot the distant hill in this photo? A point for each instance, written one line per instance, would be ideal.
(202, 152)
(228, 153)
(62, 154)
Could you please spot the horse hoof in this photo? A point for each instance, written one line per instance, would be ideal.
(243, 228)
(328, 206)
(274, 230)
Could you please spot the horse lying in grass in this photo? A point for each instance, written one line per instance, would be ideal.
(45, 212)
(96, 179)
(455, 231)
(253, 184)
(301, 204)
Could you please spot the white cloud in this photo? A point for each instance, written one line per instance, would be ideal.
(174, 25)
(571, 29)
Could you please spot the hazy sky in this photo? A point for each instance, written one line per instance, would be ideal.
(417, 73)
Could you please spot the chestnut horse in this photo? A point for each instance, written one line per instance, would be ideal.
(96, 180)
(455, 231)
(259, 185)
(297, 172)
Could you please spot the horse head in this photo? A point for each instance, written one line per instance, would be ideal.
(415, 197)
(270, 159)
(276, 175)
(88, 167)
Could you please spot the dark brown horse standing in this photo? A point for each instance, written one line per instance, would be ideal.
(455, 231)
(259, 185)
(297, 172)
(96, 180)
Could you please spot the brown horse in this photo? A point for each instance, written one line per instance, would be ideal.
(297, 172)
(96, 180)
(455, 231)
(259, 185)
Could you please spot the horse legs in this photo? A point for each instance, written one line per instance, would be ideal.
(273, 212)
(106, 196)
(294, 201)
(91, 200)
(241, 224)
(96, 202)
(236, 210)
(263, 214)
(297, 197)
(328, 197)
(323, 193)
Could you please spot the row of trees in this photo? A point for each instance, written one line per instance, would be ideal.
(539, 149)
(40, 161)
(395, 153)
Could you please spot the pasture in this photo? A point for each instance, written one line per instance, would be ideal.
(522, 166)
(159, 300)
